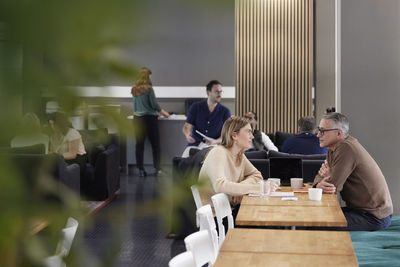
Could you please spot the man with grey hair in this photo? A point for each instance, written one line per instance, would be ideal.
(351, 171)
(306, 142)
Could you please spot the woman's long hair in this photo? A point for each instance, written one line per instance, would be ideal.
(142, 83)
(231, 125)
(61, 122)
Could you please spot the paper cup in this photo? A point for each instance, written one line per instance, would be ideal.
(296, 182)
(314, 193)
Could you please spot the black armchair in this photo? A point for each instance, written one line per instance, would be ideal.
(102, 175)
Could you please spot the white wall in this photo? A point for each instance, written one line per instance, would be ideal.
(370, 81)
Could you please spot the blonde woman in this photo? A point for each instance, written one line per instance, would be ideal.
(226, 169)
(146, 110)
(67, 141)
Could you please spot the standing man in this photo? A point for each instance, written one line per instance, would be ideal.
(207, 117)
(306, 142)
(352, 172)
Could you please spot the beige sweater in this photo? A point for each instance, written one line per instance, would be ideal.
(358, 178)
(221, 173)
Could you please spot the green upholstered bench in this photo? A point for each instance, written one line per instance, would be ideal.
(379, 248)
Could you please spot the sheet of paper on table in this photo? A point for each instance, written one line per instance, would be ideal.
(276, 194)
(282, 194)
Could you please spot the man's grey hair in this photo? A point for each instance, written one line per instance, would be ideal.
(338, 121)
(306, 124)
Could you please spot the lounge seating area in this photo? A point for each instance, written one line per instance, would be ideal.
(101, 179)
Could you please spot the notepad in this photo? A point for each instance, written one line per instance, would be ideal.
(205, 136)
(282, 194)
(300, 190)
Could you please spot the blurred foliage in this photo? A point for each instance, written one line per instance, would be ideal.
(46, 48)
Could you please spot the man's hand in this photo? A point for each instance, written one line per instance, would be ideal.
(190, 139)
(326, 187)
(325, 170)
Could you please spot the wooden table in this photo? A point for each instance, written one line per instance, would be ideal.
(265, 247)
(273, 211)
(38, 225)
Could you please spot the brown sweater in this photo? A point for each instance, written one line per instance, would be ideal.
(221, 173)
(358, 178)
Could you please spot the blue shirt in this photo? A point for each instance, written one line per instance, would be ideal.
(209, 124)
(304, 143)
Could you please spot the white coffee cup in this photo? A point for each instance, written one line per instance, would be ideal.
(314, 193)
(296, 182)
(277, 181)
(265, 188)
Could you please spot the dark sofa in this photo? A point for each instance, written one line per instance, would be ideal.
(30, 166)
(102, 175)
(311, 163)
(278, 138)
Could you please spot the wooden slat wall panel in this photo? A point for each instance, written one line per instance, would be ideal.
(273, 61)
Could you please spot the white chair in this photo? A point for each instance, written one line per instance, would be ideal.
(185, 259)
(197, 201)
(64, 245)
(196, 196)
(200, 244)
(222, 209)
(206, 218)
(68, 234)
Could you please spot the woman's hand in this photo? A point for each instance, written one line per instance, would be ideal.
(164, 113)
(272, 186)
(237, 199)
(73, 148)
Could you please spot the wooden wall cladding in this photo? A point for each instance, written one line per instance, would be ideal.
(273, 57)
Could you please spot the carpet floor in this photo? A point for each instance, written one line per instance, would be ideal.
(128, 231)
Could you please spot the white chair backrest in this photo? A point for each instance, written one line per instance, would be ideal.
(197, 201)
(222, 209)
(53, 261)
(196, 196)
(185, 259)
(206, 218)
(200, 244)
(68, 234)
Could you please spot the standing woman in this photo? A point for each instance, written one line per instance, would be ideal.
(146, 110)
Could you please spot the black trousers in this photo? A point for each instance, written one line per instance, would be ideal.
(147, 126)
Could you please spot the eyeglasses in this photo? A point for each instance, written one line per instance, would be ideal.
(322, 131)
(219, 92)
